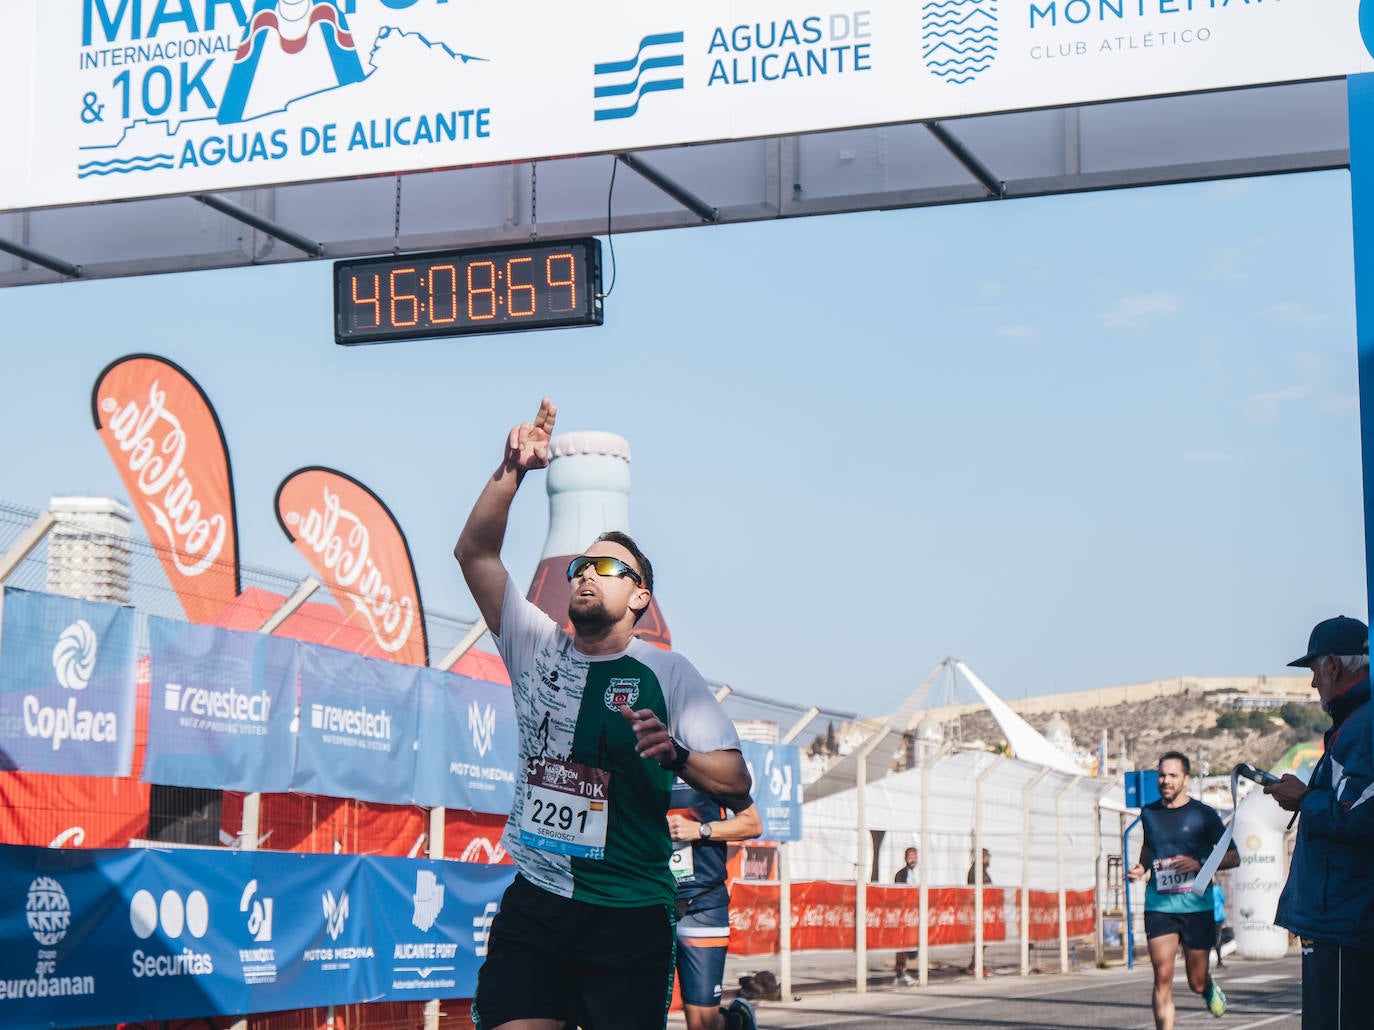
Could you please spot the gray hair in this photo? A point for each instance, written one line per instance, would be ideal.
(1354, 663)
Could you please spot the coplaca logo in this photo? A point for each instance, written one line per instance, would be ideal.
(73, 659)
(73, 662)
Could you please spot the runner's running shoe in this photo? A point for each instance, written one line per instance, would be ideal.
(1216, 1000)
(745, 1011)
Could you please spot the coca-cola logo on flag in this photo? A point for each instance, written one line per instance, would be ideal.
(168, 447)
(356, 548)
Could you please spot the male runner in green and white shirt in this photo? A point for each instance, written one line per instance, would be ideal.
(585, 933)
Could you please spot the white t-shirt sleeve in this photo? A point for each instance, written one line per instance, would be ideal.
(695, 717)
(523, 626)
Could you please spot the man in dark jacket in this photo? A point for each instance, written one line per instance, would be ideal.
(1328, 900)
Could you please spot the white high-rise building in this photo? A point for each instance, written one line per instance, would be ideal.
(88, 549)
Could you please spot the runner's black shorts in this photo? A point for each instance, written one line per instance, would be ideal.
(600, 968)
(1196, 930)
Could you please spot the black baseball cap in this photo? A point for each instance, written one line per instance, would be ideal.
(1339, 636)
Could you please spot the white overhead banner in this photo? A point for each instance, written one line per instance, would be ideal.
(115, 99)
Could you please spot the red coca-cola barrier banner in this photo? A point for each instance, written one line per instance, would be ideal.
(167, 444)
(823, 916)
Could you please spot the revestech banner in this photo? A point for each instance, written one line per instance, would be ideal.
(357, 726)
(127, 98)
(96, 936)
(66, 685)
(221, 708)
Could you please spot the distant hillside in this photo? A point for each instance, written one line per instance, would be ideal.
(1206, 724)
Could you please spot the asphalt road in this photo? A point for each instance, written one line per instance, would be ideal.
(1260, 994)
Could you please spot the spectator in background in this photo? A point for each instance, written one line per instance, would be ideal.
(1328, 900)
(906, 875)
(978, 874)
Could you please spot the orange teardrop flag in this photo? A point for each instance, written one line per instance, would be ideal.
(168, 446)
(352, 541)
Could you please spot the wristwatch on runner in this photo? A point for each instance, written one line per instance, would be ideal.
(704, 831)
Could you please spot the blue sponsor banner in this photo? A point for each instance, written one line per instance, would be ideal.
(437, 942)
(467, 744)
(776, 769)
(357, 726)
(105, 936)
(66, 685)
(220, 708)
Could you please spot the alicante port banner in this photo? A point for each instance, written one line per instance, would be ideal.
(67, 698)
(354, 544)
(113, 99)
(220, 708)
(107, 936)
(167, 444)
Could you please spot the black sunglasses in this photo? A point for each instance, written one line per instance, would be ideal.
(604, 566)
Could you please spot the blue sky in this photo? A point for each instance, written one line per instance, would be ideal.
(1073, 441)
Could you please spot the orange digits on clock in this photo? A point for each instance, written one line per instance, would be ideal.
(402, 298)
(570, 282)
(512, 287)
(490, 290)
(374, 300)
(451, 273)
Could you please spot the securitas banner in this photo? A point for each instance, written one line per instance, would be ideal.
(221, 708)
(99, 936)
(777, 793)
(357, 726)
(356, 547)
(467, 744)
(167, 444)
(67, 695)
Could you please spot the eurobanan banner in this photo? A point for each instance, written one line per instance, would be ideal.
(117, 99)
(100, 936)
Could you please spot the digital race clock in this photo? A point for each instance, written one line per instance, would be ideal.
(544, 285)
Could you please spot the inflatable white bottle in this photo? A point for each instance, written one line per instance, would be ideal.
(1253, 896)
(589, 494)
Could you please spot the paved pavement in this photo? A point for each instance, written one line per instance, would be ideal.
(1260, 994)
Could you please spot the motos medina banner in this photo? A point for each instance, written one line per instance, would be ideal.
(115, 99)
(352, 541)
(165, 439)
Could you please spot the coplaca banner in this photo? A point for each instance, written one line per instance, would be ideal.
(107, 936)
(117, 99)
(66, 685)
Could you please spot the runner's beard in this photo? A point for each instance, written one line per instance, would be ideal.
(591, 620)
